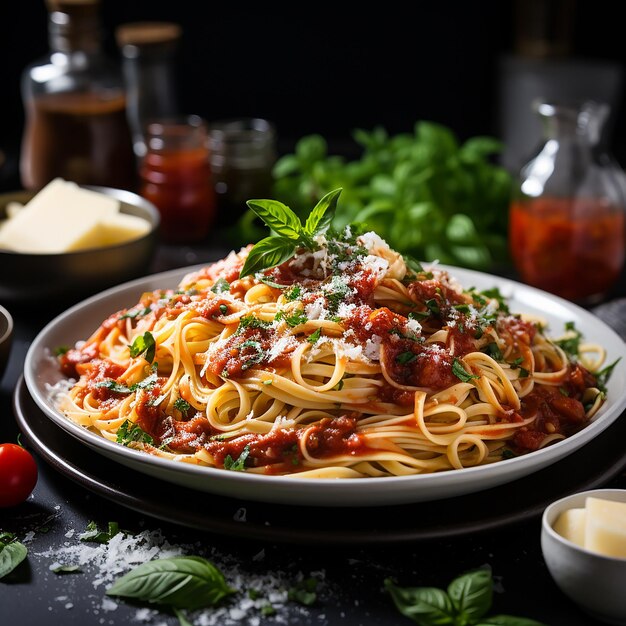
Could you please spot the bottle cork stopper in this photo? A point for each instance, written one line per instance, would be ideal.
(147, 33)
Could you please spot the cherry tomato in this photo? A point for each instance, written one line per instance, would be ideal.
(18, 474)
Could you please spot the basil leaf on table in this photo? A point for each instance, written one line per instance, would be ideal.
(472, 594)
(179, 582)
(427, 606)
(508, 620)
(11, 555)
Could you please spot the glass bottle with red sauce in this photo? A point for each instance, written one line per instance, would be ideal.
(76, 123)
(567, 218)
(176, 177)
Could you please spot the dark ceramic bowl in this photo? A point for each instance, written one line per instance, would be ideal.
(6, 338)
(58, 279)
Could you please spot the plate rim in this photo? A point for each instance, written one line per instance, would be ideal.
(337, 492)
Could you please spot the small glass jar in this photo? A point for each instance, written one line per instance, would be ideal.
(148, 52)
(567, 220)
(243, 152)
(176, 177)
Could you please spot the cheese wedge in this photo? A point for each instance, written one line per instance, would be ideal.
(64, 217)
(121, 227)
(571, 525)
(605, 530)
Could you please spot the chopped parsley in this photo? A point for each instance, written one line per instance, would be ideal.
(135, 313)
(130, 432)
(223, 309)
(293, 319)
(93, 533)
(406, 357)
(240, 464)
(256, 357)
(571, 343)
(314, 337)
(294, 293)
(182, 405)
(221, 285)
(250, 321)
(461, 373)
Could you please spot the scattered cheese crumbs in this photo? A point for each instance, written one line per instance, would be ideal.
(64, 217)
(104, 563)
(600, 526)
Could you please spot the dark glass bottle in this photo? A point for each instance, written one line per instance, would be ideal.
(76, 125)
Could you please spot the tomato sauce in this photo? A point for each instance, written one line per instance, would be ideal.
(178, 182)
(570, 247)
(557, 410)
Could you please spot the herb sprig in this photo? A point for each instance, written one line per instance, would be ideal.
(466, 602)
(290, 233)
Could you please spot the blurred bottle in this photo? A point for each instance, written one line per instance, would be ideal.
(567, 221)
(75, 105)
(176, 178)
(243, 152)
(148, 61)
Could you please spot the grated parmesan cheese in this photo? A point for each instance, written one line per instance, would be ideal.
(104, 563)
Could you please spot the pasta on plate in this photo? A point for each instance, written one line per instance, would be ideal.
(344, 359)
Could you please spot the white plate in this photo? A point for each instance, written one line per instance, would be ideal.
(81, 320)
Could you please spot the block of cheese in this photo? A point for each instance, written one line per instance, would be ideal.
(121, 227)
(571, 525)
(605, 529)
(64, 217)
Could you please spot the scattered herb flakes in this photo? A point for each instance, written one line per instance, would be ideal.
(314, 337)
(93, 533)
(61, 350)
(304, 591)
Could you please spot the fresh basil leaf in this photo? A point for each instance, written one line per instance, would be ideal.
(144, 344)
(427, 606)
(267, 253)
(472, 594)
(461, 373)
(322, 214)
(279, 217)
(11, 555)
(508, 620)
(186, 582)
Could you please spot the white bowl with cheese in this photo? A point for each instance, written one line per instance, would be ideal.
(68, 241)
(583, 540)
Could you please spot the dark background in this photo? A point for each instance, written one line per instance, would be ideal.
(330, 68)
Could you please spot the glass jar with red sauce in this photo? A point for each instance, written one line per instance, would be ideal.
(567, 217)
(176, 177)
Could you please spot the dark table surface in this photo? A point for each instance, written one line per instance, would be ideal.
(351, 574)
